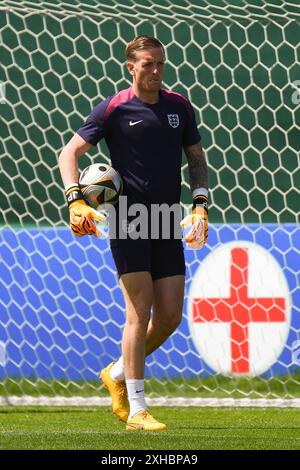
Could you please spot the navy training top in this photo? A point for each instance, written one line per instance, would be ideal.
(145, 142)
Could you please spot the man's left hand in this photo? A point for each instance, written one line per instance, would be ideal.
(197, 236)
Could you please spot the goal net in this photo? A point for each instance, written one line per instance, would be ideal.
(61, 308)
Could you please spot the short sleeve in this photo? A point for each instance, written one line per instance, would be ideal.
(93, 130)
(191, 135)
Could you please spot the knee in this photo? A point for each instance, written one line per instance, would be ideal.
(174, 322)
(138, 307)
(138, 316)
(168, 323)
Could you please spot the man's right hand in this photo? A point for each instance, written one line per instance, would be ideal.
(81, 219)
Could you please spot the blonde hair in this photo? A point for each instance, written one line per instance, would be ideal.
(141, 43)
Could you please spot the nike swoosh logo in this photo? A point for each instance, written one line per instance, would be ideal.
(139, 391)
(135, 122)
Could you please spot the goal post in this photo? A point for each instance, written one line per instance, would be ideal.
(61, 309)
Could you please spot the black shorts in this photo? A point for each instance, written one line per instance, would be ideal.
(161, 258)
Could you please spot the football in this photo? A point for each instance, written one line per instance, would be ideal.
(100, 184)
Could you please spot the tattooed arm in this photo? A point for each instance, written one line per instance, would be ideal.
(197, 166)
(198, 220)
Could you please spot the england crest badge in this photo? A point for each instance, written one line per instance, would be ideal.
(173, 120)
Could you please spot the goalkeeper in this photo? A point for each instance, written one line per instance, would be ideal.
(146, 128)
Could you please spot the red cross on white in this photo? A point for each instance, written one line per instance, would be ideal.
(246, 314)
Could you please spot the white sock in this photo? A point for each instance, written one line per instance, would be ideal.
(117, 370)
(136, 396)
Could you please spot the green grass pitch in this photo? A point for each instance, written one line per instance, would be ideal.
(189, 428)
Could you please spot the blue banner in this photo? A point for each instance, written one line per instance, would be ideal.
(62, 311)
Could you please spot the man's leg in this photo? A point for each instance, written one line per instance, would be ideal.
(137, 289)
(167, 311)
(168, 272)
(168, 299)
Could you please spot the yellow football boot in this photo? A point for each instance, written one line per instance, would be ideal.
(144, 421)
(118, 393)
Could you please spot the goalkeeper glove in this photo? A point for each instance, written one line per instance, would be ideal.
(81, 214)
(197, 236)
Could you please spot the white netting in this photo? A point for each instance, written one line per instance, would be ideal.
(61, 310)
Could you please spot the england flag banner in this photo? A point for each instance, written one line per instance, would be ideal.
(239, 309)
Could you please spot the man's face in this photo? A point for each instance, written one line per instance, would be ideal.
(148, 69)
